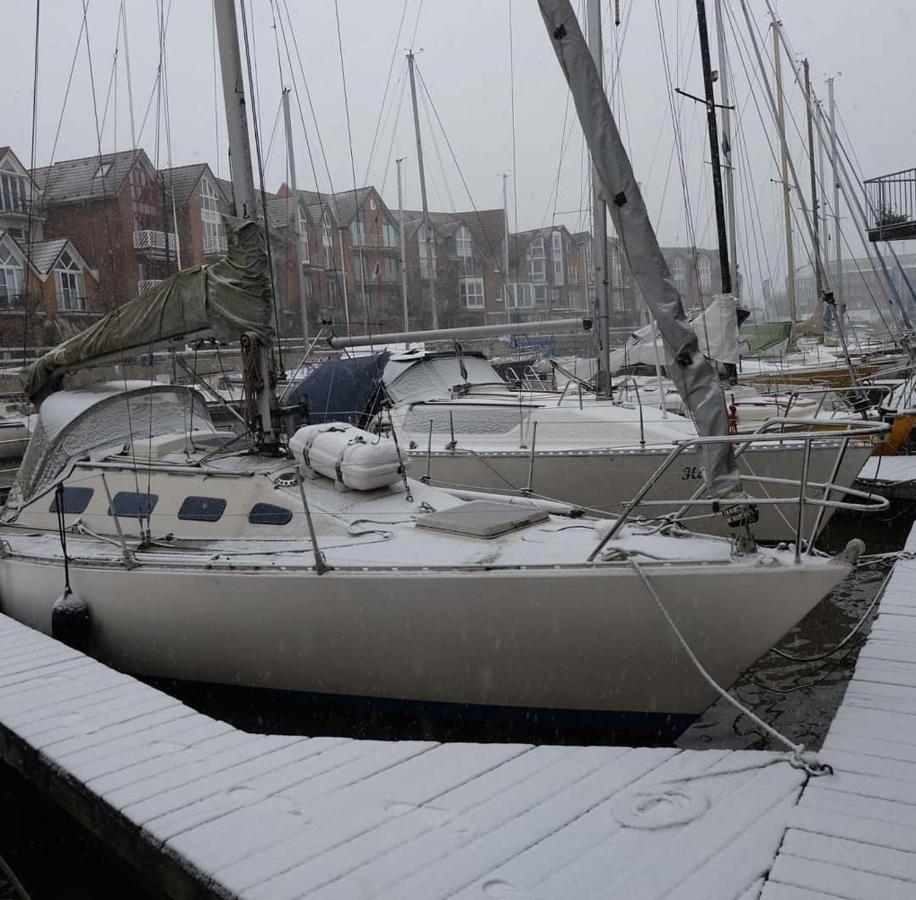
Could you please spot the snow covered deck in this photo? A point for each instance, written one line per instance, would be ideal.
(893, 476)
(853, 834)
(207, 810)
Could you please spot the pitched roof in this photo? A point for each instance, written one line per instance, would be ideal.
(180, 181)
(279, 210)
(72, 180)
(46, 253)
(486, 225)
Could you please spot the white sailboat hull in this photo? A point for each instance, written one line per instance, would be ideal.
(605, 480)
(558, 637)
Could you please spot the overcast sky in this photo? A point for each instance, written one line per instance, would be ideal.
(463, 56)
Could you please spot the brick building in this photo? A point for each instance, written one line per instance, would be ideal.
(113, 208)
(45, 283)
(195, 202)
(696, 273)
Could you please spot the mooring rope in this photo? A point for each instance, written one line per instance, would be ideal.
(797, 756)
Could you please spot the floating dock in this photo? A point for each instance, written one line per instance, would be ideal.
(205, 810)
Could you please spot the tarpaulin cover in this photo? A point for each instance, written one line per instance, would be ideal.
(693, 376)
(716, 328)
(343, 390)
(222, 300)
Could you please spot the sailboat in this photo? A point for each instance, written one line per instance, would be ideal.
(313, 564)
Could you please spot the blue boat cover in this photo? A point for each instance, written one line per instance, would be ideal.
(348, 389)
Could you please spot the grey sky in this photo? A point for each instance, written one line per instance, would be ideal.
(465, 63)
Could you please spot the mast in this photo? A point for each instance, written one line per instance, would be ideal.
(297, 229)
(599, 223)
(786, 200)
(227, 36)
(694, 377)
(837, 236)
(403, 241)
(427, 229)
(818, 272)
(712, 125)
(507, 284)
(727, 150)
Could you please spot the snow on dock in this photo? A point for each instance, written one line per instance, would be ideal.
(207, 810)
(203, 809)
(853, 834)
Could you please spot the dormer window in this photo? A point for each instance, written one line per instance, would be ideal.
(463, 243)
(103, 169)
(71, 296)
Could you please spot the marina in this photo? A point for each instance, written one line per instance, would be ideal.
(207, 810)
(357, 549)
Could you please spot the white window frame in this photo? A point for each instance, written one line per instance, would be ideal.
(558, 261)
(537, 269)
(327, 241)
(71, 292)
(11, 286)
(358, 232)
(464, 242)
(211, 218)
(390, 235)
(536, 248)
(539, 294)
(13, 192)
(303, 235)
(705, 273)
(521, 295)
(421, 244)
(471, 292)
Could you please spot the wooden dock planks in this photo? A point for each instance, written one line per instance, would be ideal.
(853, 834)
(206, 810)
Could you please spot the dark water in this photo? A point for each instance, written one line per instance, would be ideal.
(800, 698)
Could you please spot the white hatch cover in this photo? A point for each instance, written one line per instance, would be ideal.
(482, 518)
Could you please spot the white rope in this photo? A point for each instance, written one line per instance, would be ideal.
(797, 755)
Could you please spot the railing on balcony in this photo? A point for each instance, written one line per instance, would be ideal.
(155, 241)
(892, 206)
(11, 302)
(215, 246)
(149, 282)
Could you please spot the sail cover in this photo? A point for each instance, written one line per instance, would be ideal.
(221, 300)
(692, 374)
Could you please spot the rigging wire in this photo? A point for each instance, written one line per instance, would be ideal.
(360, 222)
(381, 111)
(32, 147)
(514, 159)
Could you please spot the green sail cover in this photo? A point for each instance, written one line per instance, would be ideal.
(222, 300)
(764, 339)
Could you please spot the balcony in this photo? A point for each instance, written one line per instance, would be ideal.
(149, 282)
(892, 206)
(155, 243)
(11, 302)
(215, 246)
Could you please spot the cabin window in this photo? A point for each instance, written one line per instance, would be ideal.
(133, 505)
(202, 509)
(268, 514)
(75, 500)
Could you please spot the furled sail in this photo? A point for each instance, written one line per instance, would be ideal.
(222, 300)
(692, 374)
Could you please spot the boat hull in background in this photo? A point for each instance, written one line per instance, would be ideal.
(603, 481)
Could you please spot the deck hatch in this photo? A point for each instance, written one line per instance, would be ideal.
(482, 518)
